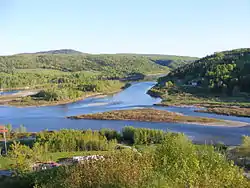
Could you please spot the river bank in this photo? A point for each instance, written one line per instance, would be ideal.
(39, 103)
(153, 115)
(227, 110)
(229, 106)
(36, 119)
(45, 97)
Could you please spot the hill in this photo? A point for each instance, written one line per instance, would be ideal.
(61, 51)
(226, 72)
(113, 64)
(171, 61)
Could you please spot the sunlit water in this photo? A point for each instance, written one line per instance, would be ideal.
(53, 117)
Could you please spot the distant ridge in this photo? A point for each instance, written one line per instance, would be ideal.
(61, 51)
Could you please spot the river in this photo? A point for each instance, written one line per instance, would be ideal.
(53, 117)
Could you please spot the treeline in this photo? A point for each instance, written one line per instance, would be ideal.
(70, 91)
(223, 72)
(84, 140)
(39, 78)
(176, 162)
(110, 64)
(56, 86)
(74, 140)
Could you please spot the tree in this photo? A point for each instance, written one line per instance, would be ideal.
(23, 157)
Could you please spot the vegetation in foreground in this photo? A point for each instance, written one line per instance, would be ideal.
(174, 162)
(152, 115)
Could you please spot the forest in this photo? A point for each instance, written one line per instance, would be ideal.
(226, 72)
(154, 158)
(111, 64)
(68, 74)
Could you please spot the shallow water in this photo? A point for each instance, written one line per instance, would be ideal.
(8, 92)
(53, 117)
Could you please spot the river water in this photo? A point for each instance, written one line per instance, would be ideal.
(53, 117)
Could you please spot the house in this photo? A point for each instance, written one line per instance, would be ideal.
(194, 83)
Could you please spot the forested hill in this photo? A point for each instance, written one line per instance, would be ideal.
(222, 72)
(61, 51)
(171, 61)
(71, 61)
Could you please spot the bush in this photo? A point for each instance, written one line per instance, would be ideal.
(74, 140)
(142, 135)
(176, 162)
(110, 134)
(246, 141)
(180, 164)
(120, 169)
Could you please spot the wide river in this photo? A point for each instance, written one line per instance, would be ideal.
(53, 117)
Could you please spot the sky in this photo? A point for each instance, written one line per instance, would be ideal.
(174, 27)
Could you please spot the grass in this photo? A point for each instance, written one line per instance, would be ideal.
(181, 96)
(148, 114)
(232, 111)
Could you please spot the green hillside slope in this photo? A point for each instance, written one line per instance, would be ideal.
(223, 72)
(171, 61)
(112, 64)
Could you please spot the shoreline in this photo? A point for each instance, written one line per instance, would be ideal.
(236, 109)
(53, 103)
(228, 123)
(158, 116)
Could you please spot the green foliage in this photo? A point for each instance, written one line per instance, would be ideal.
(172, 61)
(23, 157)
(21, 129)
(180, 164)
(109, 64)
(74, 140)
(142, 135)
(246, 142)
(110, 134)
(225, 72)
(120, 169)
(176, 162)
(169, 84)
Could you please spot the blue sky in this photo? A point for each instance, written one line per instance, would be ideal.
(179, 27)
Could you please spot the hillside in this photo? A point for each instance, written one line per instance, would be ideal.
(112, 64)
(116, 65)
(61, 51)
(226, 72)
(171, 61)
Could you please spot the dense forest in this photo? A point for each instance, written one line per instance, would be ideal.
(226, 72)
(68, 74)
(119, 64)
